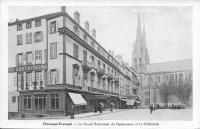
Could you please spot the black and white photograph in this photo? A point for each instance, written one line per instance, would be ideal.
(99, 63)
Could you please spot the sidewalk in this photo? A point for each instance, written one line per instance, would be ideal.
(83, 115)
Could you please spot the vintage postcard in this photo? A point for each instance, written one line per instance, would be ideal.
(101, 66)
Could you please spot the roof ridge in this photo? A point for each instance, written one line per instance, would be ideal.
(170, 61)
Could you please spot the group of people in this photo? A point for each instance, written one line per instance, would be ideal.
(99, 107)
(153, 107)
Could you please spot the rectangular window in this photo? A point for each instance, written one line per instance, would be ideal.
(28, 79)
(38, 77)
(13, 99)
(53, 27)
(28, 25)
(53, 50)
(38, 57)
(28, 58)
(19, 39)
(38, 36)
(28, 38)
(40, 102)
(55, 101)
(19, 27)
(84, 55)
(75, 76)
(27, 102)
(53, 76)
(75, 51)
(37, 23)
(76, 31)
(19, 59)
(85, 38)
(20, 81)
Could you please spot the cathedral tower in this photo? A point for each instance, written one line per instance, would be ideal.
(140, 56)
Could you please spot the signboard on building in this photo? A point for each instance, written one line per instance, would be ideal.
(101, 91)
(27, 68)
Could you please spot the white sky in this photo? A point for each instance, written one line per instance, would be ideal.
(168, 29)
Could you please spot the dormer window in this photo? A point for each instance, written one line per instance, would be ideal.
(85, 38)
(37, 23)
(28, 25)
(19, 27)
(76, 31)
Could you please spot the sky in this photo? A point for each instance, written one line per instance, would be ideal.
(168, 28)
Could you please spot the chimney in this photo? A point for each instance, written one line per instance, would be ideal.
(93, 31)
(87, 27)
(63, 9)
(77, 17)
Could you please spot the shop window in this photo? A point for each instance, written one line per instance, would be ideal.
(38, 57)
(38, 36)
(53, 27)
(54, 101)
(27, 102)
(19, 39)
(53, 50)
(37, 23)
(29, 58)
(40, 102)
(28, 38)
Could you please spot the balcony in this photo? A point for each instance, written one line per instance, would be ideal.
(100, 72)
(110, 76)
(86, 66)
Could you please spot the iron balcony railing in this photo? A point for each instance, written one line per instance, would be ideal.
(86, 65)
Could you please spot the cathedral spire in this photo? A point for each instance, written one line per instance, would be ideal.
(144, 36)
(139, 31)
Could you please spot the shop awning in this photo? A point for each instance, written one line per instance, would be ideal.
(77, 99)
(130, 102)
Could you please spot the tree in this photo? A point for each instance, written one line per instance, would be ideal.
(166, 90)
(184, 92)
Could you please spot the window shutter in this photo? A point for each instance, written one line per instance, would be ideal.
(15, 80)
(34, 37)
(57, 25)
(17, 60)
(33, 57)
(24, 76)
(41, 36)
(48, 77)
(24, 58)
(57, 76)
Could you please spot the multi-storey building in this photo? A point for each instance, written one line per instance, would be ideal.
(54, 63)
(152, 76)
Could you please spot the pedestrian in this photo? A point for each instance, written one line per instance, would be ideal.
(72, 112)
(151, 108)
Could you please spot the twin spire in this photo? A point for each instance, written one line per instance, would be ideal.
(139, 36)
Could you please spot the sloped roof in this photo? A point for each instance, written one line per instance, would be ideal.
(178, 65)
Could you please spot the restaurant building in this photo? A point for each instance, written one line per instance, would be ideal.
(55, 64)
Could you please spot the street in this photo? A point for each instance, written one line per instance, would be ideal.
(144, 114)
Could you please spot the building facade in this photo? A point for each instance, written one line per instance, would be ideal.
(53, 61)
(153, 76)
